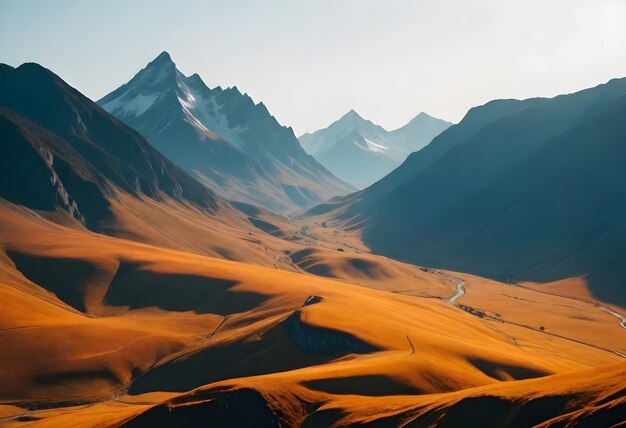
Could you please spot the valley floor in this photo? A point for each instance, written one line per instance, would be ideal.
(314, 331)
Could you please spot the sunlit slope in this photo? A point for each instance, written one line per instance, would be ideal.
(592, 397)
(91, 316)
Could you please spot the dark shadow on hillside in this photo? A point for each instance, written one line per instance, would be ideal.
(494, 412)
(501, 371)
(240, 408)
(368, 385)
(136, 287)
(285, 346)
(64, 277)
(266, 227)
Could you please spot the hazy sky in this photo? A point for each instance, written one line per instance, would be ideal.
(312, 61)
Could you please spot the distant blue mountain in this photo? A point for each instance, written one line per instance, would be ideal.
(361, 152)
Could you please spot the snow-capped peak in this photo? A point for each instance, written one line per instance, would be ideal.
(144, 90)
(161, 80)
(203, 111)
(371, 146)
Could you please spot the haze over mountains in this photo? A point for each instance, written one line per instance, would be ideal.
(518, 190)
(361, 152)
(222, 137)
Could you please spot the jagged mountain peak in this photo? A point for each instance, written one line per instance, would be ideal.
(421, 116)
(352, 114)
(222, 135)
(163, 57)
(160, 67)
(162, 63)
(195, 78)
(339, 130)
(354, 121)
(421, 123)
(352, 145)
(353, 118)
(151, 84)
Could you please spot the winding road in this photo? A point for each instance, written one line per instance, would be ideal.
(460, 291)
(459, 287)
(617, 315)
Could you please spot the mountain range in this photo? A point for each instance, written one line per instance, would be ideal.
(132, 294)
(73, 163)
(61, 150)
(527, 190)
(361, 152)
(221, 136)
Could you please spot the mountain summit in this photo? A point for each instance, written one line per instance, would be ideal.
(360, 152)
(228, 141)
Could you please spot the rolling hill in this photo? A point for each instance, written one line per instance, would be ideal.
(109, 331)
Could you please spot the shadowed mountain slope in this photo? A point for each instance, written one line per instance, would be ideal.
(519, 190)
(60, 148)
(75, 164)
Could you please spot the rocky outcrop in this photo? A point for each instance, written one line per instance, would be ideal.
(311, 300)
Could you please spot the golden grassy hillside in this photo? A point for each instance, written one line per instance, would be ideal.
(104, 331)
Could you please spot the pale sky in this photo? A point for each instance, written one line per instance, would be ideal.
(312, 61)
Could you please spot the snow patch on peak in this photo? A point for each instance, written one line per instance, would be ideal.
(370, 146)
(135, 106)
(204, 113)
(203, 108)
(374, 147)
